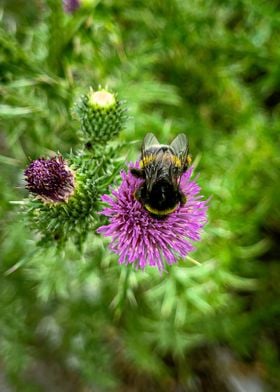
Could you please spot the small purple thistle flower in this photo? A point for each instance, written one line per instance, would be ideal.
(50, 179)
(138, 237)
(71, 6)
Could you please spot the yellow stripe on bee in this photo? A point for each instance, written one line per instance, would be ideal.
(158, 212)
(147, 160)
(176, 161)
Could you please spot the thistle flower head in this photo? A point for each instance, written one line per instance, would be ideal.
(71, 6)
(140, 238)
(50, 179)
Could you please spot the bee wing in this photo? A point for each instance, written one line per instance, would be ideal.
(148, 155)
(149, 141)
(180, 147)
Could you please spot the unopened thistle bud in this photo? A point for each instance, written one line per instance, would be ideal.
(102, 116)
(51, 180)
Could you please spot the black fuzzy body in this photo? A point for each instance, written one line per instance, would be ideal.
(161, 166)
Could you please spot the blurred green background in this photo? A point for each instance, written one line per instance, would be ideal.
(80, 322)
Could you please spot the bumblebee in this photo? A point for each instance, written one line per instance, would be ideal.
(161, 166)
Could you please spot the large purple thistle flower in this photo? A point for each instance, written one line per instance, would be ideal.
(138, 237)
(50, 179)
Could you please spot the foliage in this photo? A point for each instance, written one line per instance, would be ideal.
(210, 69)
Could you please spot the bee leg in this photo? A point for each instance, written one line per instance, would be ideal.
(138, 193)
(182, 198)
(138, 173)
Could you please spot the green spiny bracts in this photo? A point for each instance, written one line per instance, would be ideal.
(57, 221)
(102, 116)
